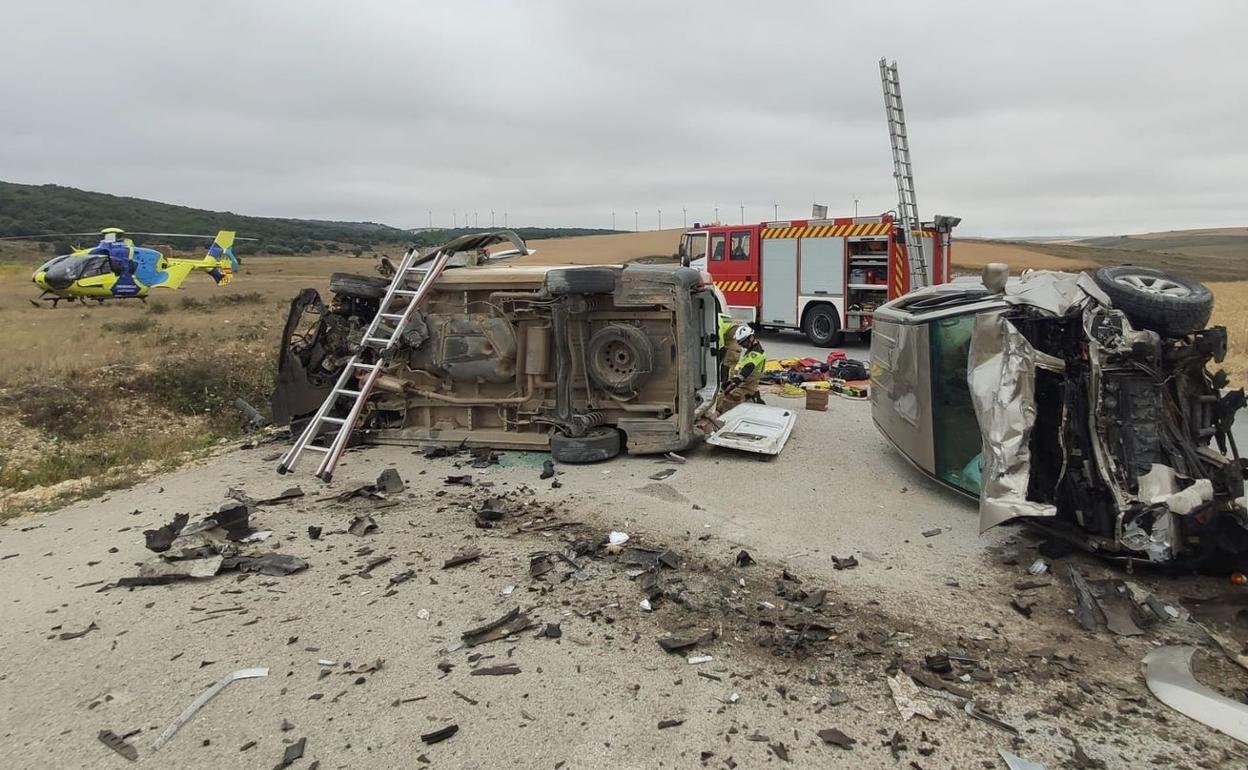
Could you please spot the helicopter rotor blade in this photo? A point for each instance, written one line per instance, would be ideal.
(37, 236)
(188, 235)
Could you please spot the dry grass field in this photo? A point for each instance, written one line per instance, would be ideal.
(96, 396)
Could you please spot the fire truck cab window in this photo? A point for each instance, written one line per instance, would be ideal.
(717, 246)
(740, 246)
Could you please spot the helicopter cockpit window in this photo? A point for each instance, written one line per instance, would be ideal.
(95, 265)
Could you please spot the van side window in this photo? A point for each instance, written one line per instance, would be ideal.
(740, 245)
(717, 247)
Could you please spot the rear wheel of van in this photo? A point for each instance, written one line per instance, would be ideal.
(596, 445)
(822, 326)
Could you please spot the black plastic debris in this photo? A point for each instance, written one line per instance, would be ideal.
(512, 623)
(362, 525)
(235, 519)
(938, 663)
(548, 470)
(118, 744)
(462, 481)
(275, 564)
(849, 562)
(161, 538)
(666, 723)
(402, 577)
(552, 631)
(433, 452)
(314, 532)
(484, 458)
(663, 474)
(286, 495)
(834, 737)
(932, 532)
(780, 750)
(462, 558)
(293, 753)
(138, 581)
(437, 736)
(744, 559)
(67, 635)
(507, 669)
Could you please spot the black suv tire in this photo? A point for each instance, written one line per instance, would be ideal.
(361, 286)
(1171, 305)
(596, 445)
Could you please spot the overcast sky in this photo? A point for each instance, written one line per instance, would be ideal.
(1025, 118)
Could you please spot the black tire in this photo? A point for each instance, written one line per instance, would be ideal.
(822, 326)
(362, 286)
(1171, 305)
(596, 445)
(583, 280)
(619, 358)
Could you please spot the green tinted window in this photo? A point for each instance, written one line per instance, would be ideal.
(953, 417)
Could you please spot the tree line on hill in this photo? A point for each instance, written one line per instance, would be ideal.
(38, 209)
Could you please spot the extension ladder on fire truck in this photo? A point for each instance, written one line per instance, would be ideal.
(903, 172)
(365, 364)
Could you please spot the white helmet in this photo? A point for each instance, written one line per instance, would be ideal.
(743, 333)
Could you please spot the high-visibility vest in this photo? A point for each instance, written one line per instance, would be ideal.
(756, 357)
(726, 324)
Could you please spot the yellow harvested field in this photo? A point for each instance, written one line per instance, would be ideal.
(971, 256)
(604, 249)
(1230, 309)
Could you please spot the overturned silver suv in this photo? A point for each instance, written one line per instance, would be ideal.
(1083, 403)
(584, 361)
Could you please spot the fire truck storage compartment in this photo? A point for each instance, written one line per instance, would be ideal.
(779, 281)
(867, 283)
(823, 266)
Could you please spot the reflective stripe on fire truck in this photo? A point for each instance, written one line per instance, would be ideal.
(737, 285)
(828, 231)
(832, 231)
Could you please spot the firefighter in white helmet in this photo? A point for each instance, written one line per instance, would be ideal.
(747, 375)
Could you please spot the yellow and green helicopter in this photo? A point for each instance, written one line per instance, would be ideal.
(115, 268)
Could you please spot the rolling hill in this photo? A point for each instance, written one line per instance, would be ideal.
(30, 209)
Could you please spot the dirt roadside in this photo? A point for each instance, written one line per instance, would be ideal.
(596, 695)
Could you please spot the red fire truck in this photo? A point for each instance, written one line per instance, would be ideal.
(823, 276)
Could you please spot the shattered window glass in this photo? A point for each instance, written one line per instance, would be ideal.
(956, 429)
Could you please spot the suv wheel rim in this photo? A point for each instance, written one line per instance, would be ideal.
(1153, 284)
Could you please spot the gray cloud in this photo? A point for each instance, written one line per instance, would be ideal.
(1025, 118)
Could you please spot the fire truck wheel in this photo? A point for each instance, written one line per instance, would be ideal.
(596, 445)
(822, 326)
